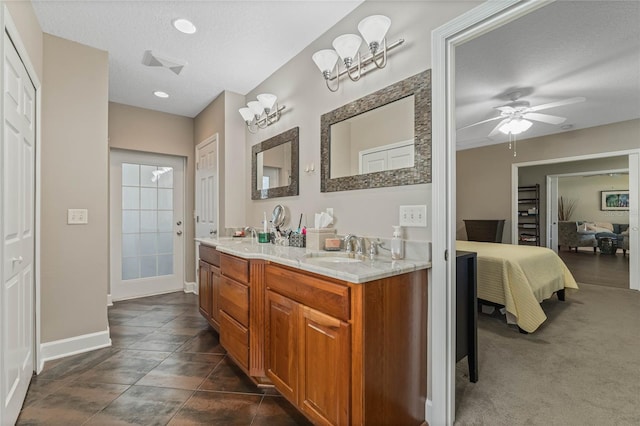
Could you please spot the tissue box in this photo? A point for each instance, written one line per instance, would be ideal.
(316, 237)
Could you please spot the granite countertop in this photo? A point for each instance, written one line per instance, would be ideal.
(301, 258)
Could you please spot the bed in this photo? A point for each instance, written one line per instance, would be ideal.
(519, 278)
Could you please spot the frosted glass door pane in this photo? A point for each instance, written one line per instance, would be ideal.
(165, 243)
(130, 174)
(130, 221)
(130, 245)
(165, 221)
(148, 244)
(165, 199)
(148, 176)
(147, 221)
(148, 198)
(130, 198)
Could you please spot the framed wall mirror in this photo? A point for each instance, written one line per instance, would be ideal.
(274, 166)
(380, 140)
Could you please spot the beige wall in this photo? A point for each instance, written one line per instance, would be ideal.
(484, 174)
(531, 175)
(221, 117)
(586, 191)
(74, 258)
(29, 29)
(145, 130)
(300, 86)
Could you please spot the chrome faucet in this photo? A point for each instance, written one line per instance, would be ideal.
(347, 242)
(254, 233)
(360, 246)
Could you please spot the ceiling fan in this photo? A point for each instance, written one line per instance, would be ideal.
(516, 115)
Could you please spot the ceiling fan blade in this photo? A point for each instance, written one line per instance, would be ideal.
(557, 103)
(496, 129)
(545, 118)
(480, 122)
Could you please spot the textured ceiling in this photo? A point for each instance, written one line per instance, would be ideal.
(238, 43)
(563, 50)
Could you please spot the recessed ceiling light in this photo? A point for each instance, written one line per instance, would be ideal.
(161, 94)
(184, 26)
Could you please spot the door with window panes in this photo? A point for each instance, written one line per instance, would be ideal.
(147, 224)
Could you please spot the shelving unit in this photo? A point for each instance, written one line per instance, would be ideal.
(529, 215)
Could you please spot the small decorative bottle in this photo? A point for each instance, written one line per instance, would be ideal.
(397, 244)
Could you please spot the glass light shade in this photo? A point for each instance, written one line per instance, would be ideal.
(373, 28)
(184, 26)
(347, 45)
(516, 126)
(246, 114)
(267, 100)
(325, 59)
(256, 107)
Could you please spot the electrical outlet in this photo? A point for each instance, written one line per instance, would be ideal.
(77, 216)
(413, 216)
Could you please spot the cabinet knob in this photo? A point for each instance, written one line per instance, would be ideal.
(179, 232)
(179, 223)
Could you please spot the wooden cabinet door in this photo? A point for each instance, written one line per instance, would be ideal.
(204, 289)
(324, 365)
(281, 354)
(214, 278)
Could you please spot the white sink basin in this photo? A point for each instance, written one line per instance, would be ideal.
(333, 259)
(338, 257)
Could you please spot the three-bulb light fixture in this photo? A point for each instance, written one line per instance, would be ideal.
(346, 47)
(514, 127)
(261, 113)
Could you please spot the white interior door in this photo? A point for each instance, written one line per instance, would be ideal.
(18, 153)
(147, 215)
(207, 188)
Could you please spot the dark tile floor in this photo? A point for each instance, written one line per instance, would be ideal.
(166, 366)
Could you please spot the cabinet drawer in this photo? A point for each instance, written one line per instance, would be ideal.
(209, 255)
(325, 296)
(235, 339)
(234, 300)
(235, 268)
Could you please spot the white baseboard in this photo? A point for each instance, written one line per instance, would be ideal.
(191, 288)
(109, 300)
(73, 345)
(428, 408)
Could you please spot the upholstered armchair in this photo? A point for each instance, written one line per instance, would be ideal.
(569, 236)
(623, 243)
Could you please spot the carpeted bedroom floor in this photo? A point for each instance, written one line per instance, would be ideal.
(581, 367)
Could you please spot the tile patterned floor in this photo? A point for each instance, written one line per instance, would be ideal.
(166, 366)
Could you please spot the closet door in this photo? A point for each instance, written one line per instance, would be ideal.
(18, 161)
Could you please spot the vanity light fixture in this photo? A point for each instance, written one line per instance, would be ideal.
(161, 94)
(261, 113)
(347, 47)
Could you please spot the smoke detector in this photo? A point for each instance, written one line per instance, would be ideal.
(153, 59)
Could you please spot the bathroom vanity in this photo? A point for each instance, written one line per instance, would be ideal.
(343, 341)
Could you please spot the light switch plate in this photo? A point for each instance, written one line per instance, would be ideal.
(413, 216)
(77, 216)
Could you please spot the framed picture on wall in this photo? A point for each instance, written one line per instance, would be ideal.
(614, 200)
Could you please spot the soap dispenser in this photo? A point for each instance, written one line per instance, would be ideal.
(397, 244)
